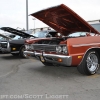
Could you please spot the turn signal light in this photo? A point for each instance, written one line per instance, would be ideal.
(13, 48)
(79, 57)
(60, 60)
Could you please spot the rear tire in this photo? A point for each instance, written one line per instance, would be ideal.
(90, 63)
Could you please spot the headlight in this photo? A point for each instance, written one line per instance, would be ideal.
(58, 49)
(64, 50)
(61, 49)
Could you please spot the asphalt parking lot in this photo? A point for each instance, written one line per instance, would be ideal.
(29, 79)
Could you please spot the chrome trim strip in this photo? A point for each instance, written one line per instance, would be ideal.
(37, 53)
(80, 45)
(53, 55)
(28, 52)
(3, 42)
(8, 45)
(15, 52)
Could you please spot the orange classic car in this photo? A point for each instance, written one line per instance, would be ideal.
(76, 43)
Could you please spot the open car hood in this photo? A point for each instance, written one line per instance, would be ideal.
(64, 20)
(16, 32)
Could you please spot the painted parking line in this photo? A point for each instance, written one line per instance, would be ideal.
(94, 76)
(33, 60)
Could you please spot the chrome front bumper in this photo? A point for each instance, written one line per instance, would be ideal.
(8, 49)
(5, 49)
(29, 54)
(51, 58)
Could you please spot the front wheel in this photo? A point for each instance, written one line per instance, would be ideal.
(22, 52)
(90, 63)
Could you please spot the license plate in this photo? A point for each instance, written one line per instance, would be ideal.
(42, 59)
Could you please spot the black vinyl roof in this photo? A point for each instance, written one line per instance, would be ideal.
(17, 32)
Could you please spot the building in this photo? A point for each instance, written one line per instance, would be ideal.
(95, 24)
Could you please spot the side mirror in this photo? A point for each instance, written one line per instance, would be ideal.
(58, 35)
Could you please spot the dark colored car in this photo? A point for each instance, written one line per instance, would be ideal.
(17, 44)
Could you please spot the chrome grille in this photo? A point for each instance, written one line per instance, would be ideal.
(3, 44)
(51, 48)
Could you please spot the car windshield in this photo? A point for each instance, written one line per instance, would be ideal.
(78, 34)
(16, 37)
(40, 34)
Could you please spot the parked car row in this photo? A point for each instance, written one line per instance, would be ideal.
(16, 45)
(74, 43)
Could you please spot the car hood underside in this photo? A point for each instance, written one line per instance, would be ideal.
(64, 20)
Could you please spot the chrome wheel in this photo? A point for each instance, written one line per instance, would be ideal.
(92, 62)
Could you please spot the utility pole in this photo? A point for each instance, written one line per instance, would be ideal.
(34, 24)
(26, 15)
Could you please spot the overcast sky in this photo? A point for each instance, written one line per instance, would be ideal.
(13, 12)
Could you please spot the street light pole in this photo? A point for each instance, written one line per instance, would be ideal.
(26, 15)
(34, 24)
